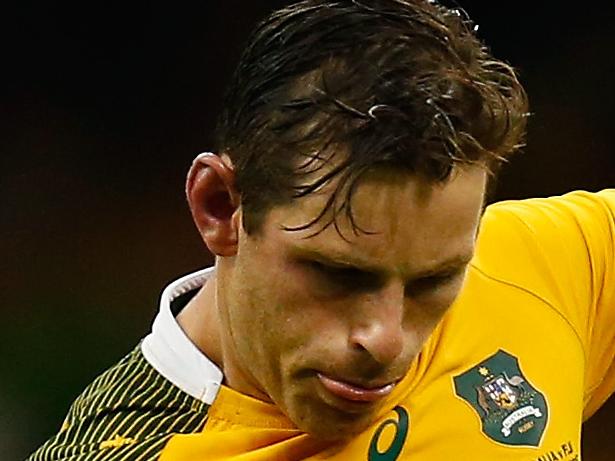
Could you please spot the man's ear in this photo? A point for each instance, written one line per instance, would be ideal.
(214, 202)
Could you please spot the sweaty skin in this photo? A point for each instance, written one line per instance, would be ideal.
(323, 326)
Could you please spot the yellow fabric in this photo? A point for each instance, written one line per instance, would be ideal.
(541, 289)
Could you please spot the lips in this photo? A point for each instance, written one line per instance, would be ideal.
(354, 392)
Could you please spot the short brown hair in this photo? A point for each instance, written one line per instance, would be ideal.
(396, 83)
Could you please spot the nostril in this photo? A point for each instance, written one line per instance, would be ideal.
(382, 344)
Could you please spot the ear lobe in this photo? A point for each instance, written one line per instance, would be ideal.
(214, 203)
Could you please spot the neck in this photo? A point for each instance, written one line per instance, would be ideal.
(199, 320)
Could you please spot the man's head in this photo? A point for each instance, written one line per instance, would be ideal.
(344, 205)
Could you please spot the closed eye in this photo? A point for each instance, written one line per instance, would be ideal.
(432, 283)
(344, 277)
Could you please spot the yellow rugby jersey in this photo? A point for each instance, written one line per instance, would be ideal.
(525, 355)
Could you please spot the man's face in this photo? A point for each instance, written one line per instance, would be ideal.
(326, 326)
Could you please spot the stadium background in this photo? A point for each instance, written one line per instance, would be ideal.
(103, 109)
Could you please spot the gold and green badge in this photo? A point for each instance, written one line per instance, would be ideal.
(512, 411)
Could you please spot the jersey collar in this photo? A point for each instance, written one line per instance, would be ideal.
(169, 350)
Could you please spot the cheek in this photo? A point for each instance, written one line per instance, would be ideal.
(276, 309)
(424, 314)
(310, 323)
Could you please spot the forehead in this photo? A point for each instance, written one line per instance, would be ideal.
(409, 221)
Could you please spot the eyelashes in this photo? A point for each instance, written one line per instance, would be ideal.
(344, 277)
(356, 280)
(429, 284)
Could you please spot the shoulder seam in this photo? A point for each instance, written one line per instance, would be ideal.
(537, 296)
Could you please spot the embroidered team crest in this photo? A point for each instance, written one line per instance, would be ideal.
(511, 410)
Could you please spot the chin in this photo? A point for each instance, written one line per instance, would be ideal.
(329, 419)
(337, 433)
(336, 428)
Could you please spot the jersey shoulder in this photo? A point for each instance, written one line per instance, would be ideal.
(129, 412)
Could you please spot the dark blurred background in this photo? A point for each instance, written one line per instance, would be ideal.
(102, 110)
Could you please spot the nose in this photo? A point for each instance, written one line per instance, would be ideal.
(378, 328)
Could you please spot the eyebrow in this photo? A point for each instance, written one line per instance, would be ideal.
(343, 261)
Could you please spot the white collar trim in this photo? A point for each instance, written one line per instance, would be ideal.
(169, 350)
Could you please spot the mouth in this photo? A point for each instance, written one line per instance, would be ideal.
(352, 392)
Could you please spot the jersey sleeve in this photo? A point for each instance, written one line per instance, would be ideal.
(562, 249)
(130, 412)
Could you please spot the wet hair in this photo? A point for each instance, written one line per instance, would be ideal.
(326, 91)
